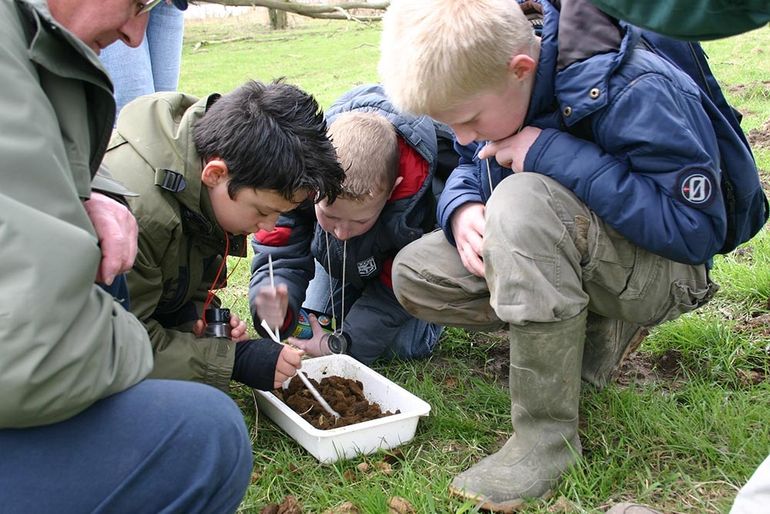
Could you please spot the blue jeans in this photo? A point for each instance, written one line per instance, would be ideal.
(154, 65)
(415, 340)
(160, 446)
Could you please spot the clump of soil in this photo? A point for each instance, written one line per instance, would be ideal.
(344, 395)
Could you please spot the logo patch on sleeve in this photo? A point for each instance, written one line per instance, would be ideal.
(696, 188)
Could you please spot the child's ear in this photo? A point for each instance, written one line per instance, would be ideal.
(214, 172)
(522, 65)
(399, 179)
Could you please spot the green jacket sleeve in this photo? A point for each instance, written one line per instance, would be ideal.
(64, 343)
(691, 19)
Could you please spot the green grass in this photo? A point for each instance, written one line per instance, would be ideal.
(326, 59)
(683, 439)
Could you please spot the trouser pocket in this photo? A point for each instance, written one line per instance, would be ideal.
(686, 296)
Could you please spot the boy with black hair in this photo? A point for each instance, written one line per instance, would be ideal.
(586, 208)
(208, 172)
(387, 201)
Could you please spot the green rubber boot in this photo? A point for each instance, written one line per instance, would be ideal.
(545, 396)
(608, 343)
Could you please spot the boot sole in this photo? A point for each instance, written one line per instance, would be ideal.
(505, 507)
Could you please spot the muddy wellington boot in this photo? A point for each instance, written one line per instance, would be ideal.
(608, 343)
(545, 395)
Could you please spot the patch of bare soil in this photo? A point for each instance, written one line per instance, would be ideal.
(637, 368)
(497, 357)
(760, 137)
(643, 368)
(758, 323)
(344, 395)
(751, 88)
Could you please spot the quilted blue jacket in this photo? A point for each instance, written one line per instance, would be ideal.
(631, 135)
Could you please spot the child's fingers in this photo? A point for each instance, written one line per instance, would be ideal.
(315, 325)
(198, 328)
(287, 368)
(489, 150)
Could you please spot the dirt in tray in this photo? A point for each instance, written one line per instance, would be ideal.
(344, 395)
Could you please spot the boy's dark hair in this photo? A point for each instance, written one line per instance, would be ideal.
(271, 136)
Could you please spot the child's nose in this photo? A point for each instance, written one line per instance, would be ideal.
(341, 232)
(268, 224)
(464, 136)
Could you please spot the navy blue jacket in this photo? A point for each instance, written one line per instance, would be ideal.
(630, 134)
(375, 318)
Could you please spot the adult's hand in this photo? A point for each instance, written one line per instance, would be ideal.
(117, 231)
(468, 229)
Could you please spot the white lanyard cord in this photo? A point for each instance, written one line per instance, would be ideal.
(489, 175)
(331, 286)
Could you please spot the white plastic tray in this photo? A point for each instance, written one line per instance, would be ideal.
(358, 439)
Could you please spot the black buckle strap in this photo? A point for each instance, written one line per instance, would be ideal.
(170, 180)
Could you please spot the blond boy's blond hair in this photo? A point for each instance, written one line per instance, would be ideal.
(367, 148)
(435, 54)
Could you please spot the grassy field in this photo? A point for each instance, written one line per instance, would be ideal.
(684, 427)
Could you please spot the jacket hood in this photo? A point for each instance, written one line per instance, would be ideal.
(419, 132)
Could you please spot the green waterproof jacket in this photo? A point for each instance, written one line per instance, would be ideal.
(64, 342)
(180, 243)
(691, 19)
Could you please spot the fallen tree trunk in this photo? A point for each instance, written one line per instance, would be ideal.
(338, 11)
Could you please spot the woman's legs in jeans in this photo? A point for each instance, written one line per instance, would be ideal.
(165, 33)
(130, 71)
(160, 446)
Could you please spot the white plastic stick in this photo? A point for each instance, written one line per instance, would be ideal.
(272, 284)
(305, 380)
(273, 335)
(317, 395)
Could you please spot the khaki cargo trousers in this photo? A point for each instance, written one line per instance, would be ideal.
(547, 257)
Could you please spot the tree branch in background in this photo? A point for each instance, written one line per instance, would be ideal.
(328, 11)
